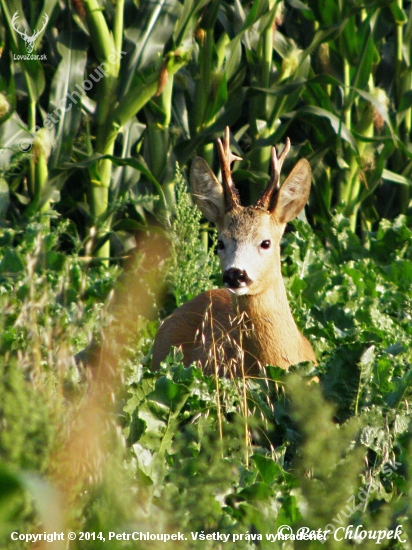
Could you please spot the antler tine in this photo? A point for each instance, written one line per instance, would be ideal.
(272, 188)
(46, 20)
(226, 159)
(13, 22)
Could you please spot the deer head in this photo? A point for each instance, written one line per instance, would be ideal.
(28, 40)
(249, 237)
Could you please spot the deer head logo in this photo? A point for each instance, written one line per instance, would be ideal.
(28, 40)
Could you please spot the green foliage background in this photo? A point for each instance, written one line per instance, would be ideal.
(113, 446)
(93, 128)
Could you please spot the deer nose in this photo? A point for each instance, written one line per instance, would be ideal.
(235, 278)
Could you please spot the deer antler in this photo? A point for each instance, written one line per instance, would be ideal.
(226, 159)
(13, 24)
(273, 185)
(36, 33)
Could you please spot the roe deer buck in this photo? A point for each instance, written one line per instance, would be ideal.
(249, 251)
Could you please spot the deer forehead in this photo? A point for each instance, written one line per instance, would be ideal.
(248, 224)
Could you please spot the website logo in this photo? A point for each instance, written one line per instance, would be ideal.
(29, 41)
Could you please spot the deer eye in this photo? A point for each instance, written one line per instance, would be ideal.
(265, 244)
(220, 245)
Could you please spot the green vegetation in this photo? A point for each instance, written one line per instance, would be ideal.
(93, 129)
(146, 455)
(99, 241)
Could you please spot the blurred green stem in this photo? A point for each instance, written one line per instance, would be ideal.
(203, 91)
(352, 187)
(105, 50)
(205, 69)
(403, 81)
(399, 57)
(263, 107)
(31, 119)
(347, 104)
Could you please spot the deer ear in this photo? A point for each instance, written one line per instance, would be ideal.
(207, 192)
(294, 193)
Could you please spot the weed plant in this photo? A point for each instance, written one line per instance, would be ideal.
(189, 248)
(52, 305)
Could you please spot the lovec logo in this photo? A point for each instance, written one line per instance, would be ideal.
(28, 40)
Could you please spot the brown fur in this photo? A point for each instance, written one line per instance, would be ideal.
(208, 331)
(189, 327)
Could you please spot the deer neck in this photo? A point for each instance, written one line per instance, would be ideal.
(270, 333)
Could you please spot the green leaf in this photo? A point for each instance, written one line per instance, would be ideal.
(398, 13)
(268, 468)
(65, 100)
(256, 491)
(169, 393)
(219, 99)
(400, 272)
(366, 58)
(147, 39)
(337, 125)
(395, 178)
(323, 35)
(379, 106)
(403, 387)
(134, 163)
(348, 43)
(187, 20)
(4, 197)
(125, 177)
(406, 101)
(11, 263)
(256, 11)
(14, 139)
(233, 56)
(298, 5)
